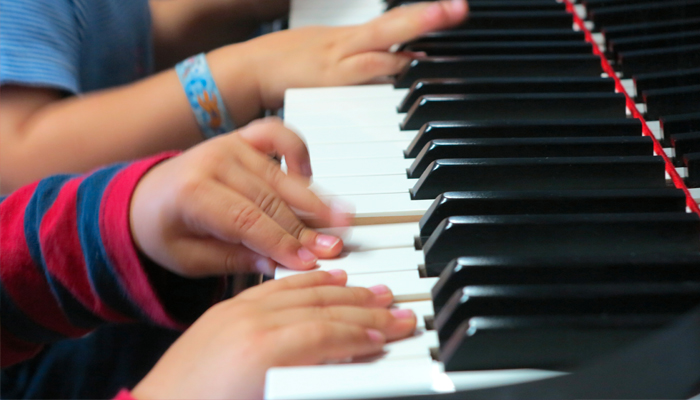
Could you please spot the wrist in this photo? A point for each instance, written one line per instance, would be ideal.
(203, 95)
(236, 72)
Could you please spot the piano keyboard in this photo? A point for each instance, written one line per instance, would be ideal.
(526, 165)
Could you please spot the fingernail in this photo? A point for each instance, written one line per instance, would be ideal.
(337, 272)
(375, 335)
(401, 313)
(306, 256)
(379, 289)
(326, 241)
(306, 170)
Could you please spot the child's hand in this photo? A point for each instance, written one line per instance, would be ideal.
(224, 207)
(301, 320)
(322, 56)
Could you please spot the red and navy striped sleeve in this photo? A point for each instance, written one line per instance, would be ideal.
(69, 263)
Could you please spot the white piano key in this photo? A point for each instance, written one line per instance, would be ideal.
(335, 13)
(695, 194)
(366, 262)
(374, 237)
(473, 380)
(655, 128)
(418, 345)
(353, 185)
(670, 152)
(301, 5)
(682, 171)
(599, 38)
(351, 118)
(356, 151)
(630, 88)
(387, 378)
(386, 205)
(379, 379)
(331, 168)
(378, 104)
(334, 93)
(421, 309)
(388, 101)
(405, 285)
(351, 134)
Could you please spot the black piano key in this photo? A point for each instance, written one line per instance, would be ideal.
(551, 342)
(662, 366)
(692, 162)
(522, 129)
(433, 49)
(561, 235)
(517, 20)
(667, 79)
(499, 67)
(685, 143)
(593, 4)
(550, 202)
(671, 101)
(504, 85)
(520, 106)
(655, 60)
(682, 123)
(498, 35)
(530, 147)
(645, 12)
(561, 173)
(589, 268)
(672, 39)
(651, 28)
(565, 299)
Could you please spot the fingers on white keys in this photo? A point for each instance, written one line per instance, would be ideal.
(227, 215)
(324, 296)
(394, 324)
(318, 341)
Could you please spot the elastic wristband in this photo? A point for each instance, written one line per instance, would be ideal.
(204, 97)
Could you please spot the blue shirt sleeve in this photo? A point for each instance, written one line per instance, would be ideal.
(40, 44)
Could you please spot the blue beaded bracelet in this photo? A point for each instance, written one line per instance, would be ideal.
(204, 97)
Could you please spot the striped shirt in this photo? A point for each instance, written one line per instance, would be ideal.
(69, 263)
(75, 46)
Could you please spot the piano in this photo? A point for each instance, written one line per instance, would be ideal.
(530, 190)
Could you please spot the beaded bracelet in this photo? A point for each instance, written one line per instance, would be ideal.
(204, 97)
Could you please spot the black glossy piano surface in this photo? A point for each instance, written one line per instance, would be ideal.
(562, 233)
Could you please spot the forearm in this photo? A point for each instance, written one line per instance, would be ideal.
(69, 263)
(182, 28)
(81, 133)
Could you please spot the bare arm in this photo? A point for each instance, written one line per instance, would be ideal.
(43, 134)
(182, 28)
